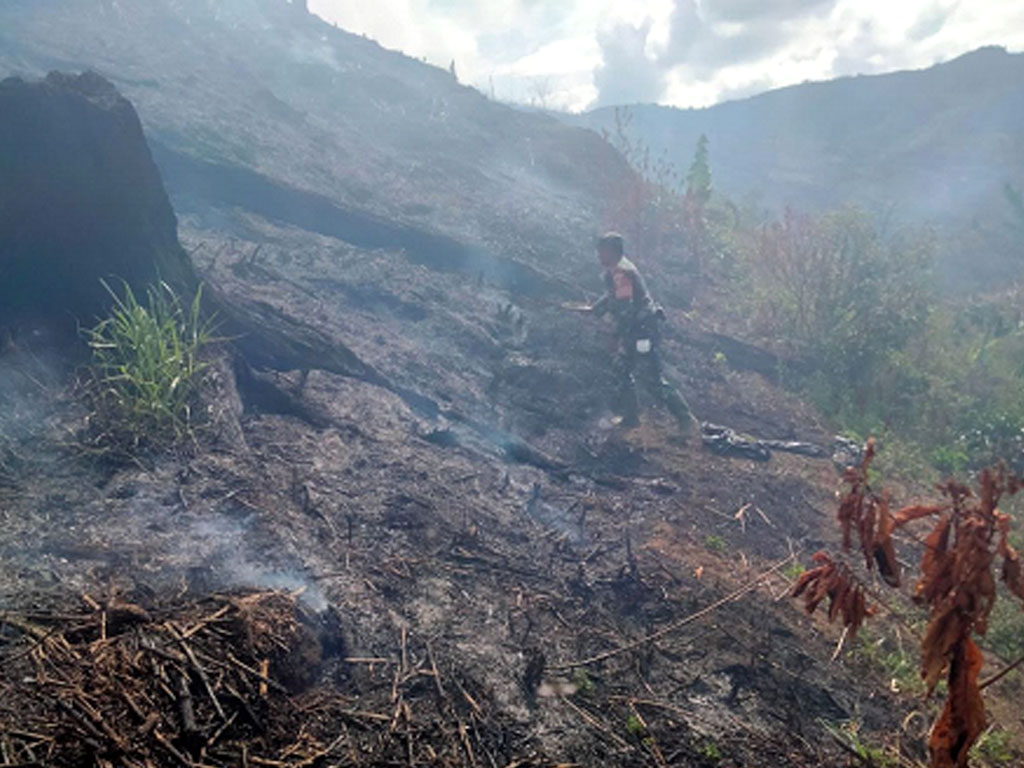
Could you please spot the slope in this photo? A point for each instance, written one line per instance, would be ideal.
(408, 427)
(930, 142)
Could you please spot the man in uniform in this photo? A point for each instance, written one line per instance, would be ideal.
(637, 323)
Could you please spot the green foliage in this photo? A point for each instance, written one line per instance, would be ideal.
(710, 751)
(849, 733)
(950, 459)
(715, 543)
(1005, 635)
(635, 727)
(844, 298)
(903, 461)
(146, 370)
(886, 352)
(794, 571)
(892, 659)
(698, 179)
(584, 682)
(995, 749)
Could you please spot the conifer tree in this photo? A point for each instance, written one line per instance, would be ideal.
(698, 179)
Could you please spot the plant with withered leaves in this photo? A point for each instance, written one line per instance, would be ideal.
(968, 541)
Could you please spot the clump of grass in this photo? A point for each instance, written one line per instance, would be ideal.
(635, 726)
(995, 748)
(850, 735)
(794, 570)
(711, 752)
(715, 543)
(146, 370)
(892, 660)
(584, 682)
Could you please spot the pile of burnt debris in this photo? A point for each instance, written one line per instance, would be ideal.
(246, 679)
(725, 441)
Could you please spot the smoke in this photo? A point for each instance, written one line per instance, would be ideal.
(216, 552)
(29, 382)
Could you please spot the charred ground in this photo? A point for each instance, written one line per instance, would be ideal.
(403, 424)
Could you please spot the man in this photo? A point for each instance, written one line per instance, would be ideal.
(637, 323)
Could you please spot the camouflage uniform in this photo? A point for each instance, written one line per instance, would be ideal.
(637, 321)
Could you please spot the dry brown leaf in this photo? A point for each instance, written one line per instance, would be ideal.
(963, 719)
(851, 508)
(957, 582)
(882, 548)
(945, 629)
(847, 598)
(936, 564)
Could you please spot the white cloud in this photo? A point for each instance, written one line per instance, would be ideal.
(571, 53)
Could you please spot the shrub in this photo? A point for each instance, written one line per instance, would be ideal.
(146, 370)
(842, 296)
(950, 459)
(968, 549)
(1006, 631)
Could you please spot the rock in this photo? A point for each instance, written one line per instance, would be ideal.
(81, 201)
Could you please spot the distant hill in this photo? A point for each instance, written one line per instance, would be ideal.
(934, 146)
(927, 144)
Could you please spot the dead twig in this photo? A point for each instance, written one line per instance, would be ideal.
(730, 598)
(595, 723)
(198, 669)
(1001, 673)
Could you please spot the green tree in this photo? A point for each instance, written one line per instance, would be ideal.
(695, 205)
(698, 178)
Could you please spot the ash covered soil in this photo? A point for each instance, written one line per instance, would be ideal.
(492, 546)
(403, 435)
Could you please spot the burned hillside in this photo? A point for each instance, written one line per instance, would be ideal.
(481, 525)
(402, 531)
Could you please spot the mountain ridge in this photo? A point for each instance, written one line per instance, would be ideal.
(877, 140)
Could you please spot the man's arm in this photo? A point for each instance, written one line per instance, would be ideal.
(644, 298)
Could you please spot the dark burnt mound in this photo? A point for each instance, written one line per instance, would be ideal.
(80, 201)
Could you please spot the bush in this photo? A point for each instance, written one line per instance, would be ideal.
(844, 297)
(146, 371)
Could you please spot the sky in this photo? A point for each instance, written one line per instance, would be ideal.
(580, 54)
